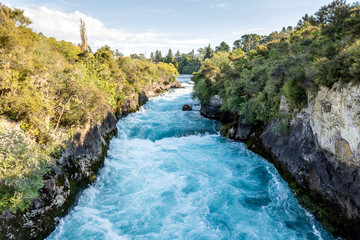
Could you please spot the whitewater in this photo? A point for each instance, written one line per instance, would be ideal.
(170, 175)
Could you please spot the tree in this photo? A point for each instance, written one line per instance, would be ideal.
(15, 15)
(223, 47)
(84, 45)
(169, 58)
(307, 18)
(201, 52)
(158, 56)
(209, 52)
(249, 42)
(140, 56)
(191, 55)
(178, 56)
(152, 56)
(118, 54)
(237, 44)
(334, 12)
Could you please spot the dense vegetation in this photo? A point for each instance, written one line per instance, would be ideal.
(50, 88)
(251, 78)
(186, 63)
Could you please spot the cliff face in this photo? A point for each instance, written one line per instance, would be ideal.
(318, 154)
(335, 121)
(76, 168)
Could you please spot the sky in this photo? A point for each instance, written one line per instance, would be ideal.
(144, 26)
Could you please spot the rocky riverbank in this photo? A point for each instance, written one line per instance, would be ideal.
(77, 167)
(316, 150)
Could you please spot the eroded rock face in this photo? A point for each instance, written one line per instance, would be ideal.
(76, 168)
(335, 183)
(237, 130)
(213, 110)
(335, 121)
(319, 154)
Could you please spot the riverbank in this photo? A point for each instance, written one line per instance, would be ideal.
(170, 175)
(313, 151)
(76, 169)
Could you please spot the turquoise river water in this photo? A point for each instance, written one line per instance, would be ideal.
(170, 175)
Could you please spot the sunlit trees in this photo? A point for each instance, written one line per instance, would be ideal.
(249, 42)
(224, 47)
(322, 50)
(48, 89)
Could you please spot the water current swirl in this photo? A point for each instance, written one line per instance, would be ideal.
(170, 175)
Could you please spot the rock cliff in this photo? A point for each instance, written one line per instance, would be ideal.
(317, 152)
(76, 168)
(335, 121)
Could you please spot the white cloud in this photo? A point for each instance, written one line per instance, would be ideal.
(221, 5)
(65, 26)
(250, 30)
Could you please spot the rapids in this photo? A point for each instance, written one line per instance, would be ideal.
(170, 175)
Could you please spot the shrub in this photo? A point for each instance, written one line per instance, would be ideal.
(293, 92)
(22, 166)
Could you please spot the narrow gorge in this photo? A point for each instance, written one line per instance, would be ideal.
(125, 121)
(170, 175)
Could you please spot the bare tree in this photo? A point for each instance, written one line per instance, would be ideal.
(84, 45)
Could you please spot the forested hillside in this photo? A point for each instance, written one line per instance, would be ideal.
(50, 88)
(251, 78)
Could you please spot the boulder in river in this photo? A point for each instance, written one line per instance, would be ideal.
(187, 107)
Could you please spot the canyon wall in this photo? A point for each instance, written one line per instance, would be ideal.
(315, 149)
(77, 167)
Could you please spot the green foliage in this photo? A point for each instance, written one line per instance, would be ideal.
(281, 126)
(169, 58)
(209, 52)
(22, 165)
(202, 89)
(321, 50)
(51, 88)
(293, 92)
(223, 47)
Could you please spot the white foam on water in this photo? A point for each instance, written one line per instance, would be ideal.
(316, 231)
(167, 178)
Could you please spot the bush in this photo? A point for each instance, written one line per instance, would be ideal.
(22, 166)
(50, 88)
(323, 49)
(294, 93)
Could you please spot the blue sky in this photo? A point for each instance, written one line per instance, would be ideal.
(143, 26)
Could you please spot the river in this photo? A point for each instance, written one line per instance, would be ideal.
(170, 175)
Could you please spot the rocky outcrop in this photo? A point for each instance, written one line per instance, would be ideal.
(317, 152)
(335, 121)
(327, 186)
(237, 130)
(77, 167)
(213, 110)
(233, 126)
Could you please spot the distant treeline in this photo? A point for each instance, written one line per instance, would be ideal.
(188, 63)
